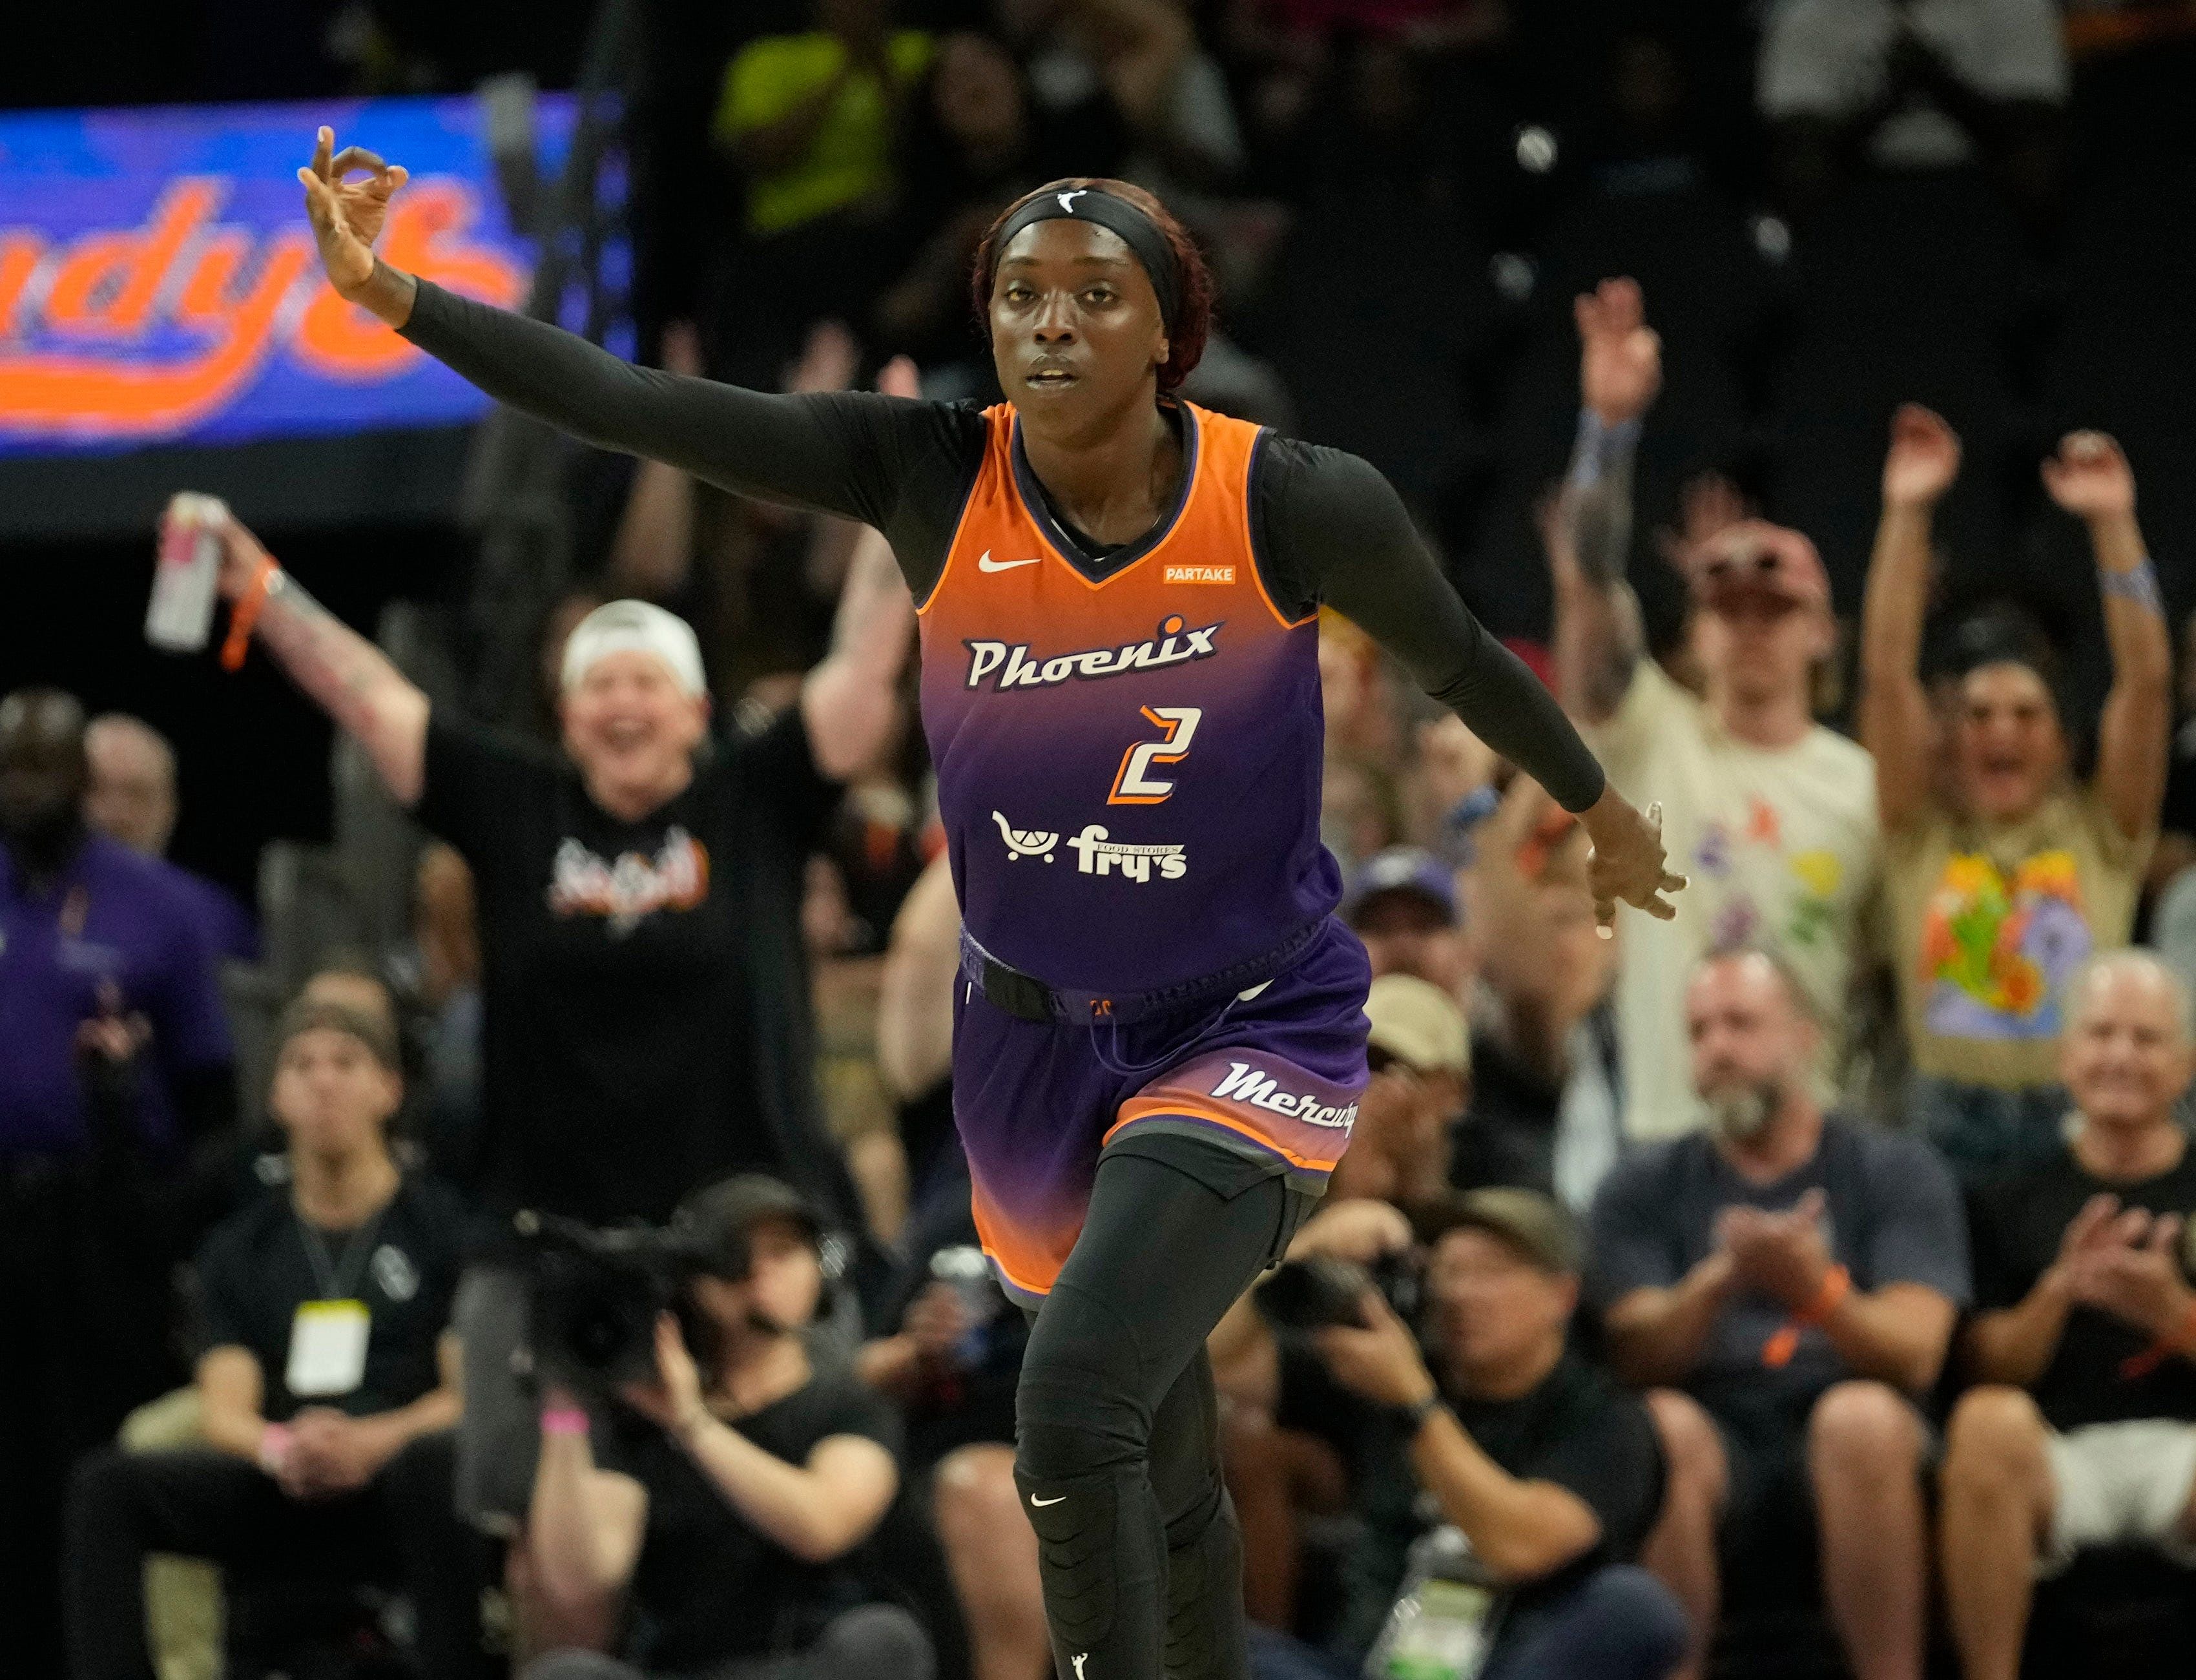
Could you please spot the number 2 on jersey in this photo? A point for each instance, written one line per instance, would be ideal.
(1134, 784)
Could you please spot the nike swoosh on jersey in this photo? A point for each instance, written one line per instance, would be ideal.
(986, 563)
(1041, 1504)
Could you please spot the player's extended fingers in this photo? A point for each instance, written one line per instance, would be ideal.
(324, 150)
(355, 157)
(1660, 908)
(1674, 883)
(320, 201)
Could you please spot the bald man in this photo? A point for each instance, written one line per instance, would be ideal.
(131, 798)
(2084, 1432)
(103, 966)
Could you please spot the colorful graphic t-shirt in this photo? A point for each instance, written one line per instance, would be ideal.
(1783, 848)
(1988, 922)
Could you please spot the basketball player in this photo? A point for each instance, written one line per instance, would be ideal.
(1159, 1035)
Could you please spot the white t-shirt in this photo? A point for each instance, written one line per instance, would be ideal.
(1784, 851)
(1828, 58)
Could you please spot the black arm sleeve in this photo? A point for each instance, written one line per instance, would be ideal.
(902, 466)
(1330, 529)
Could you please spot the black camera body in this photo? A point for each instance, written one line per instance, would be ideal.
(1305, 1295)
(593, 1297)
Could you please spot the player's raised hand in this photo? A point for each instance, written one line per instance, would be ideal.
(347, 215)
(2089, 477)
(1626, 863)
(1620, 356)
(1923, 460)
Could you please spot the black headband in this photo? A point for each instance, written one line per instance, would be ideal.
(1136, 229)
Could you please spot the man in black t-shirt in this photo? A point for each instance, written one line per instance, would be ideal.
(645, 1012)
(327, 1379)
(644, 997)
(2084, 1433)
(744, 1482)
(1549, 1471)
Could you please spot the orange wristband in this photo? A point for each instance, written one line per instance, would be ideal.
(1784, 1342)
(244, 616)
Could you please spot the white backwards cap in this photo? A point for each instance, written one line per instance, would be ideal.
(635, 626)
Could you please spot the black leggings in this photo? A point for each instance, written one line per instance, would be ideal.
(1116, 1451)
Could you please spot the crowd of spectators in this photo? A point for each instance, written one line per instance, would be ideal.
(1809, 1272)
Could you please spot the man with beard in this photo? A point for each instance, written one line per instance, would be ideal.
(1786, 1281)
(114, 1057)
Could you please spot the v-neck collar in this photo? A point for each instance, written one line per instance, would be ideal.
(1102, 569)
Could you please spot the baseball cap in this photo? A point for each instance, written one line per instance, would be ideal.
(634, 626)
(1537, 1227)
(310, 1015)
(1402, 868)
(1416, 1022)
(1757, 558)
(715, 1222)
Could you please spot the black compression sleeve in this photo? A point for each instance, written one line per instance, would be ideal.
(1331, 529)
(897, 464)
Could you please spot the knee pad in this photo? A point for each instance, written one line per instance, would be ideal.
(1079, 1524)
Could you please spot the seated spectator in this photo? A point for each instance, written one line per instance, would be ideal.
(2084, 1433)
(1402, 902)
(114, 1057)
(131, 798)
(1915, 85)
(748, 1479)
(1546, 1108)
(1420, 1054)
(1788, 1280)
(327, 1371)
(1999, 891)
(1770, 815)
(1549, 1474)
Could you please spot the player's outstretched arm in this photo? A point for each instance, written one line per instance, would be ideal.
(354, 682)
(832, 454)
(1339, 534)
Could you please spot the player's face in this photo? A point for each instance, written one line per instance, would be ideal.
(628, 724)
(1075, 324)
(2124, 1057)
(1493, 1309)
(331, 1096)
(2007, 740)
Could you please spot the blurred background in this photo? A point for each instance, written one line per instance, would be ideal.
(1402, 196)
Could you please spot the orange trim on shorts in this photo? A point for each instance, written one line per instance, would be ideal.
(1150, 1107)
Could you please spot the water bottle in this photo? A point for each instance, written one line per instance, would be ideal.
(1442, 1626)
(967, 1273)
(180, 615)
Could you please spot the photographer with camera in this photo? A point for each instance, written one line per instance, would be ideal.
(328, 1382)
(1506, 1484)
(746, 1477)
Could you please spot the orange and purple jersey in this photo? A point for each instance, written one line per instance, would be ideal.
(1128, 751)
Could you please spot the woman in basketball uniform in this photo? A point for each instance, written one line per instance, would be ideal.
(1159, 1039)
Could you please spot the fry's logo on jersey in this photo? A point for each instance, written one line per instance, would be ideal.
(1247, 1084)
(1173, 644)
(1096, 855)
(623, 892)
